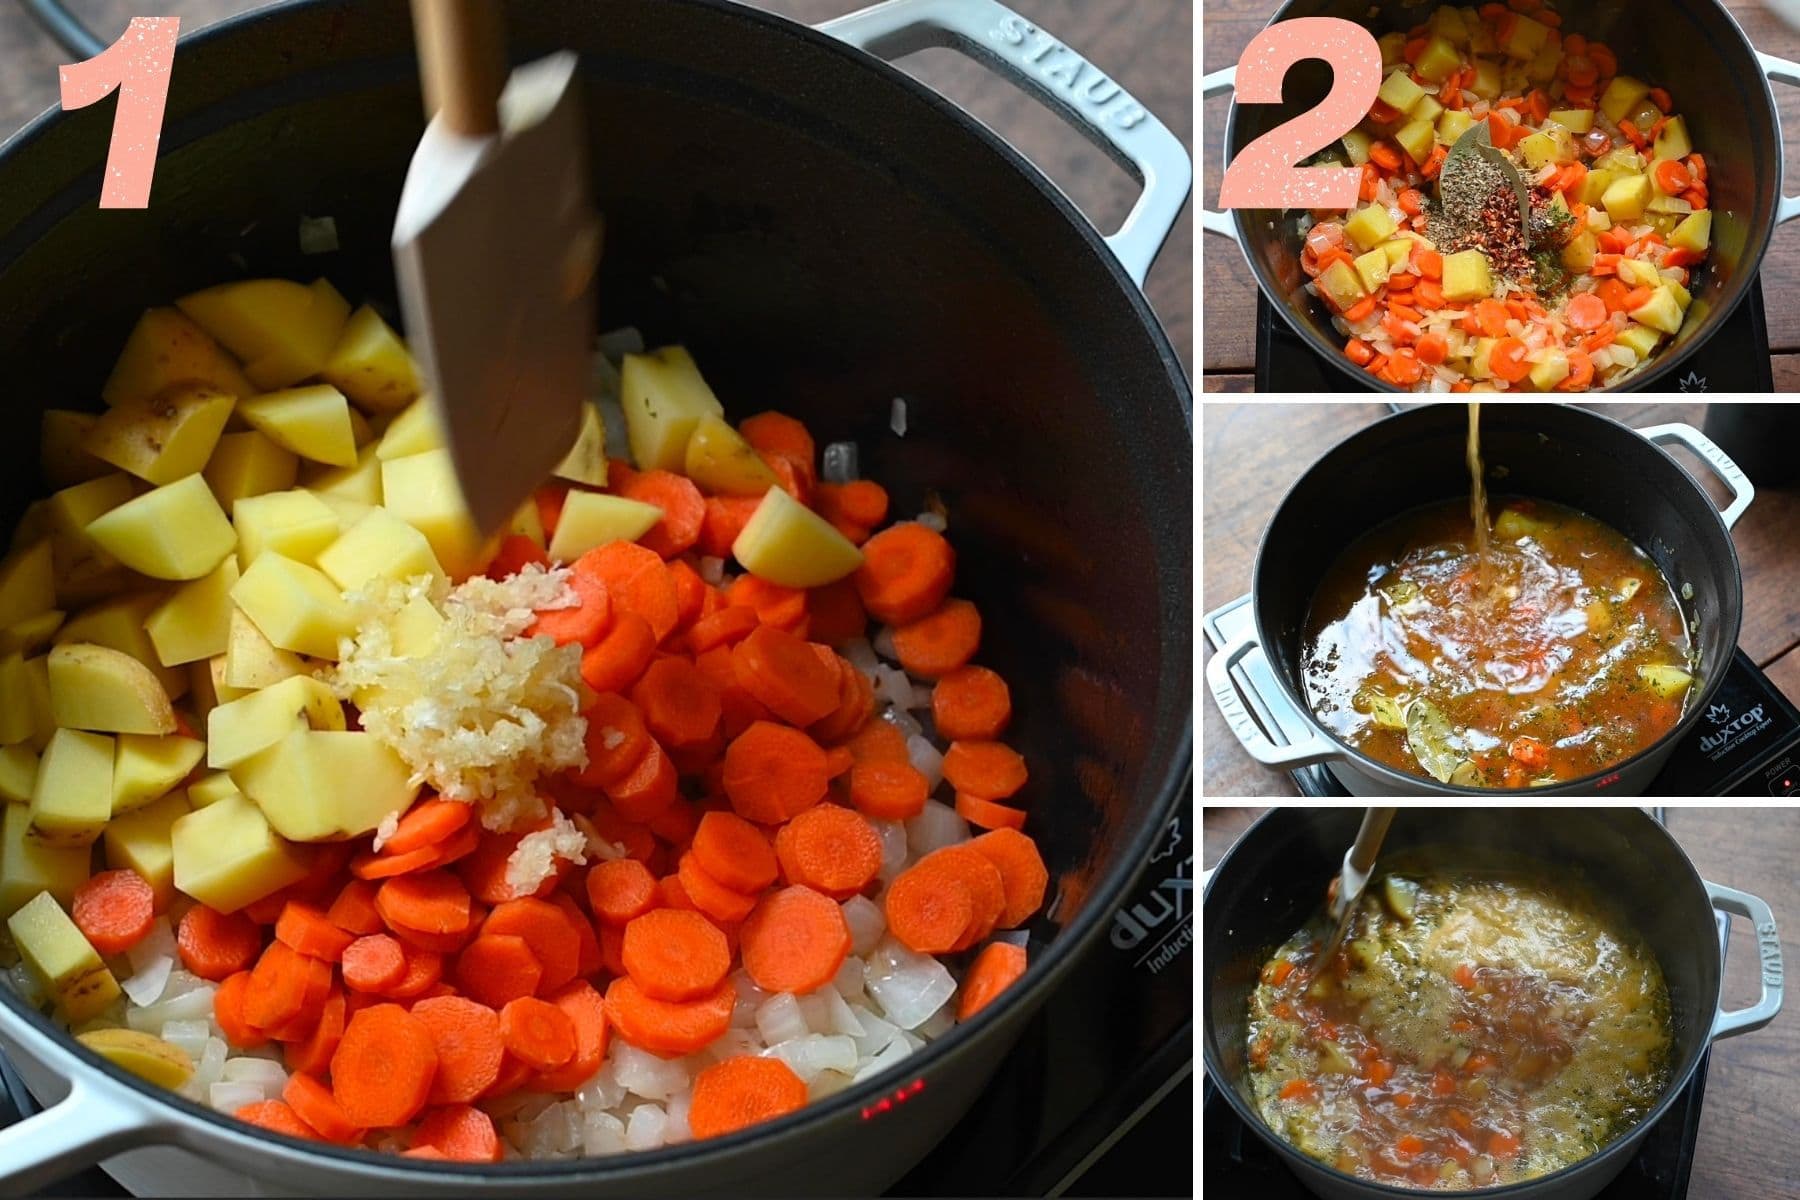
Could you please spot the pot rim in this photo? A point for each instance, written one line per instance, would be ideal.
(1165, 784)
(1664, 363)
(1624, 1143)
(1408, 783)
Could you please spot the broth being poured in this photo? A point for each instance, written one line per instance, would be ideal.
(1478, 495)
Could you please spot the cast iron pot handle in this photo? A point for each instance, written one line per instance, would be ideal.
(55, 19)
(1729, 473)
(1004, 42)
(1316, 748)
(1768, 947)
(1211, 220)
(1781, 70)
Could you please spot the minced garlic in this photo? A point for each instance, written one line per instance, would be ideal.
(533, 860)
(475, 708)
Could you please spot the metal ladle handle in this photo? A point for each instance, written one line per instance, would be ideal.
(1369, 837)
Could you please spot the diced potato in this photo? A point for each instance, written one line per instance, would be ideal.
(226, 856)
(347, 511)
(1452, 123)
(1694, 232)
(163, 437)
(414, 431)
(664, 398)
(17, 720)
(18, 773)
(1399, 251)
(591, 519)
(31, 696)
(1447, 22)
(1369, 226)
(294, 523)
(1467, 276)
(1427, 109)
(317, 785)
(1551, 144)
(148, 768)
(282, 331)
(1640, 339)
(787, 543)
(28, 866)
(721, 462)
(1578, 253)
(141, 841)
(1662, 202)
(144, 1055)
(1341, 284)
(1526, 38)
(1622, 95)
(380, 546)
(1593, 186)
(105, 690)
(371, 365)
(528, 522)
(165, 347)
(1660, 312)
(1372, 268)
(32, 634)
(1625, 197)
(1635, 272)
(361, 483)
(1481, 361)
(1399, 90)
(119, 624)
(251, 661)
(313, 422)
(243, 728)
(295, 605)
(1575, 120)
(75, 555)
(1683, 297)
(1666, 681)
(1542, 68)
(1392, 47)
(586, 460)
(71, 799)
(1511, 525)
(1550, 372)
(209, 688)
(249, 464)
(195, 621)
(62, 452)
(1672, 141)
(1486, 83)
(211, 788)
(177, 531)
(27, 583)
(1416, 138)
(1356, 145)
(421, 489)
(66, 965)
(1438, 59)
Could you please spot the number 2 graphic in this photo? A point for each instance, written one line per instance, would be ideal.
(1266, 174)
(138, 67)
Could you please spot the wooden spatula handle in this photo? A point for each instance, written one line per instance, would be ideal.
(462, 58)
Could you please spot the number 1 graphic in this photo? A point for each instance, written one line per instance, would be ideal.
(138, 66)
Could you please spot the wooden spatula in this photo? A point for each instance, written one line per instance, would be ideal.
(495, 246)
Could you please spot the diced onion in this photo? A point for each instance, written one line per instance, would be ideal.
(934, 828)
(897, 417)
(839, 465)
(229, 1097)
(864, 917)
(146, 987)
(779, 1019)
(644, 1128)
(908, 986)
(926, 760)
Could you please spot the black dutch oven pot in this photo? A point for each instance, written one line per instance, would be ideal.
(1694, 48)
(828, 235)
(1558, 452)
(1273, 879)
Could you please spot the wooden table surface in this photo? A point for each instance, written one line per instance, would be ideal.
(1251, 453)
(1230, 358)
(1144, 45)
(1750, 1119)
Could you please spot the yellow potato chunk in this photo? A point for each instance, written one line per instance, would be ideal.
(249, 464)
(32, 634)
(421, 489)
(313, 422)
(1416, 138)
(1526, 38)
(586, 460)
(251, 660)
(1673, 142)
(1369, 226)
(379, 546)
(294, 523)
(1342, 284)
(787, 543)
(592, 519)
(27, 583)
(721, 462)
(371, 365)
(413, 431)
(195, 621)
(1438, 59)
(28, 866)
(140, 1053)
(165, 347)
(1661, 312)
(242, 728)
(283, 331)
(1372, 268)
(317, 785)
(1694, 232)
(147, 768)
(361, 483)
(162, 437)
(1467, 276)
(71, 799)
(106, 690)
(1551, 371)
(141, 841)
(18, 773)
(664, 397)
(1399, 90)
(1621, 96)
(1640, 339)
(62, 453)
(120, 624)
(1575, 120)
(295, 606)
(211, 788)
(1452, 123)
(84, 569)
(177, 531)
(226, 856)
(66, 965)
(1625, 197)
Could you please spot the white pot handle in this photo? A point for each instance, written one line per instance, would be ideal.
(1065, 82)
(1211, 220)
(1728, 472)
(91, 1123)
(1781, 70)
(1729, 1022)
(1315, 748)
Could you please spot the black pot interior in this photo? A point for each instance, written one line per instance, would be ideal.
(824, 234)
(1273, 881)
(1694, 49)
(1546, 451)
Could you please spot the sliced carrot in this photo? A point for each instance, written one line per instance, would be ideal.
(466, 1036)
(638, 841)
(691, 594)
(587, 945)
(743, 1091)
(620, 890)
(987, 814)
(312, 1056)
(675, 954)
(311, 932)
(278, 986)
(1492, 318)
(373, 963)
(353, 909)
(427, 823)
(1507, 360)
(214, 945)
(679, 702)
(228, 1011)
(314, 1104)
(1581, 372)
(276, 1117)
(723, 628)
(586, 1011)
(426, 902)
(725, 518)
(701, 891)
(495, 968)
(831, 849)
(888, 790)
(637, 582)
(114, 910)
(949, 871)
(546, 931)
(928, 915)
(1023, 876)
(794, 940)
(649, 788)
(516, 552)
(859, 502)
(684, 510)
(773, 773)
(991, 770)
(424, 970)
(941, 641)
(382, 1072)
(458, 1133)
(584, 624)
(777, 433)
(782, 607)
(670, 1028)
(1585, 311)
(994, 970)
(1362, 308)
(784, 674)
(855, 705)
(905, 573)
(614, 662)
(734, 852)
(537, 1033)
(878, 741)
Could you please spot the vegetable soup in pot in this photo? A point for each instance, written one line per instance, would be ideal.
(1557, 653)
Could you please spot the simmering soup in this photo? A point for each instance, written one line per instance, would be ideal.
(1478, 1028)
(1562, 654)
